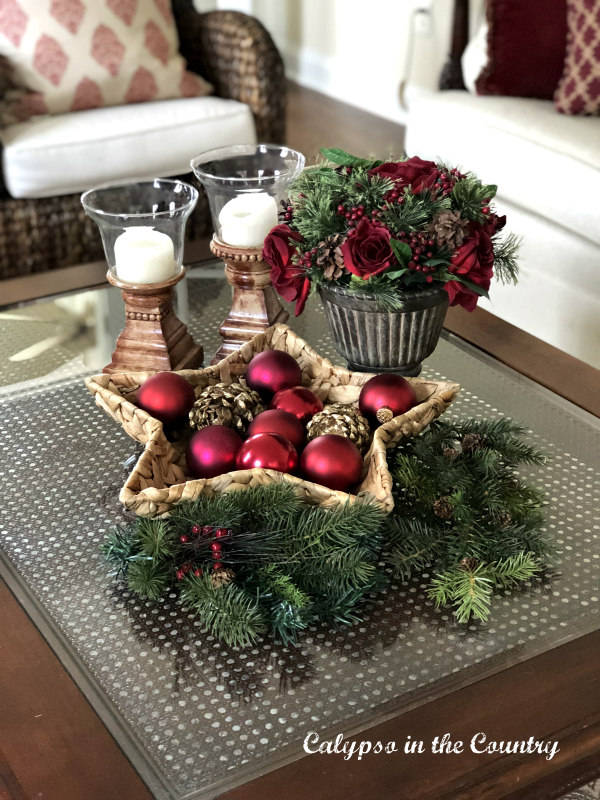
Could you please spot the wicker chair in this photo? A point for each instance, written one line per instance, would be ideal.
(231, 50)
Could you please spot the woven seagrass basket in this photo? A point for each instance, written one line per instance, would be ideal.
(159, 478)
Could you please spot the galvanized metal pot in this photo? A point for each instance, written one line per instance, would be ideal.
(381, 341)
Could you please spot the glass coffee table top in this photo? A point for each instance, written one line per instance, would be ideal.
(196, 717)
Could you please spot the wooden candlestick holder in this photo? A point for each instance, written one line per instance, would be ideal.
(255, 305)
(153, 338)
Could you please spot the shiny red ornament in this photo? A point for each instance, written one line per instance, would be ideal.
(212, 451)
(267, 451)
(299, 401)
(272, 370)
(332, 461)
(276, 420)
(166, 396)
(384, 397)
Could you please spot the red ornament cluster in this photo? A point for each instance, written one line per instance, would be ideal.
(276, 436)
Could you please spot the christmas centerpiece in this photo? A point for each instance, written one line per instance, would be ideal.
(232, 441)
(388, 245)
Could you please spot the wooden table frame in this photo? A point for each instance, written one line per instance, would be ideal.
(53, 745)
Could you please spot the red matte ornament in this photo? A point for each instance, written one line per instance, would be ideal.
(278, 421)
(212, 451)
(166, 396)
(384, 397)
(272, 370)
(332, 461)
(267, 451)
(299, 401)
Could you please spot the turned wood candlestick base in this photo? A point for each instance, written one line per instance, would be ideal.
(153, 339)
(255, 305)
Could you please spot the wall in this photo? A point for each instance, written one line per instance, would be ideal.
(359, 52)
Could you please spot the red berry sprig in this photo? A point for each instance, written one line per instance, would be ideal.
(421, 245)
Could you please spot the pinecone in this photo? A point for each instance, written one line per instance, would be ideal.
(450, 453)
(329, 256)
(222, 577)
(504, 519)
(443, 508)
(471, 442)
(449, 229)
(229, 404)
(343, 420)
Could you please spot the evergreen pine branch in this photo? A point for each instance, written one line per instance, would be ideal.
(469, 590)
(415, 213)
(506, 250)
(378, 287)
(228, 612)
(411, 544)
(287, 621)
(149, 579)
(340, 607)
(282, 586)
(120, 549)
(507, 572)
(154, 538)
(471, 196)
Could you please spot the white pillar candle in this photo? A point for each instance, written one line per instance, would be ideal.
(247, 219)
(143, 255)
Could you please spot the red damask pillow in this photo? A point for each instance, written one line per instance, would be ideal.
(579, 89)
(526, 47)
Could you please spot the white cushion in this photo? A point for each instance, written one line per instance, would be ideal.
(557, 297)
(540, 159)
(67, 153)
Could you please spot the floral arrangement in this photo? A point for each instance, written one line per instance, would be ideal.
(385, 228)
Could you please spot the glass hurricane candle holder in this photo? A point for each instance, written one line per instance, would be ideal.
(142, 226)
(246, 186)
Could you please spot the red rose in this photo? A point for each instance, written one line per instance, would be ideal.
(474, 260)
(368, 252)
(289, 279)
(413, 172)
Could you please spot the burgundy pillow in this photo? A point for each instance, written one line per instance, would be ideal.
(526, 47)
(579, 89)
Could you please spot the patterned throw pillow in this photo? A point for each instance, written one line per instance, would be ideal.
(69, 55)
(578, 91)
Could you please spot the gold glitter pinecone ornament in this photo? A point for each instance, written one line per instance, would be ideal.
(222, 577)
(343, 420)
(229, 404)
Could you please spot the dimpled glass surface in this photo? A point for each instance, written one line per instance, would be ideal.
(193, 715)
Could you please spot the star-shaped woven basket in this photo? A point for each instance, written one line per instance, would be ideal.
(159, 478)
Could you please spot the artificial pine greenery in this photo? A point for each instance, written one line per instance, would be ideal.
(462, 515)
(466, 515)
(291, 562)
